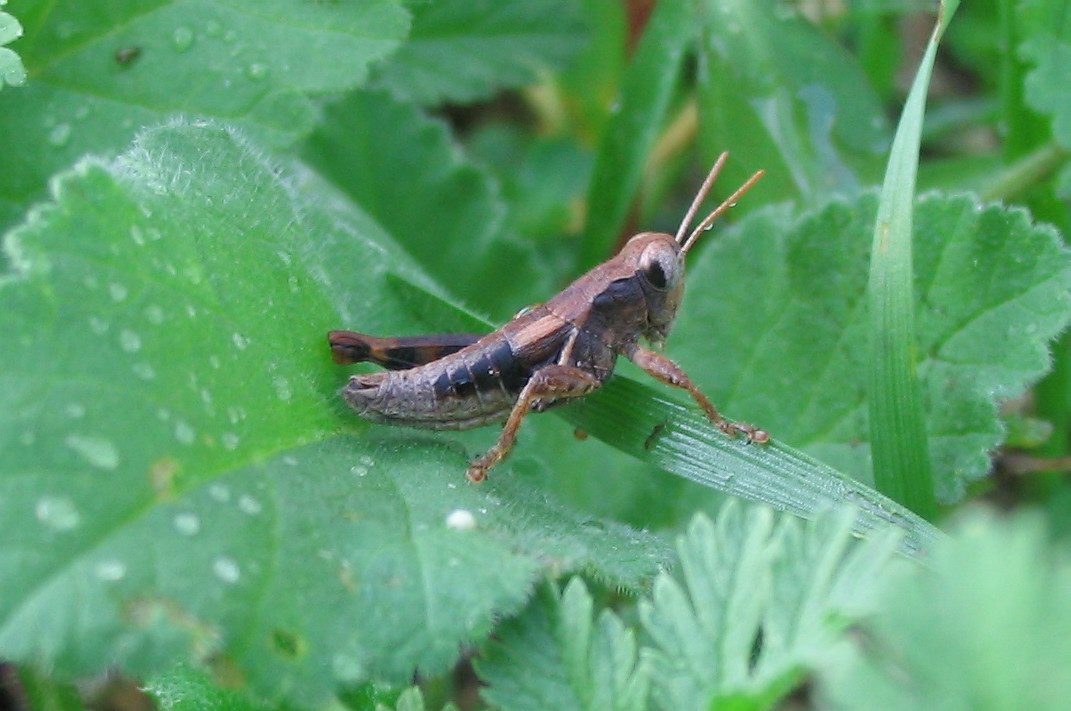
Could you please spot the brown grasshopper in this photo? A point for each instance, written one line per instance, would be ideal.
(548, 354)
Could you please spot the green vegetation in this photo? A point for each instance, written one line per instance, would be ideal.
(193, 193)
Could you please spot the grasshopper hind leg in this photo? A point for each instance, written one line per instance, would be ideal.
(396, 353)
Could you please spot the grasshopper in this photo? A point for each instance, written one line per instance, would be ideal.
(548, 354)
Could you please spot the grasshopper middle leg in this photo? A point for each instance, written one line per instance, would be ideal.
(552, 382)
(668, 372)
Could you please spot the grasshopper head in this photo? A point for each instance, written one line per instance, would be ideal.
(659, 264)
(660, 260)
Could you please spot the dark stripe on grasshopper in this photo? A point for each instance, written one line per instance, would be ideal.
(454, 384)
(499, 368)
(396, 353)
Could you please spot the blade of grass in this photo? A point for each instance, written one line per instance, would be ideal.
(897, 421)
(645, 96)
(635, 419)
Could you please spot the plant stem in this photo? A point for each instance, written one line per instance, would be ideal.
(1029, 170)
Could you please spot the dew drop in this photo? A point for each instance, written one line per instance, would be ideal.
(213, 360)
(257, 71)
(461, 520)
(118, 292)
(240, 341)
(137, 235)
(57, 512)
(75, 410)
(366, 460)
(359, 470)
(110, 570)
(99, 452)
(282, 388)
(182, 38)
(290, 460)
(155, 314)
(226, 569)
(220, 493)
(129, 341)
(347, 668)
(230, 441)
(98, 325)
(144, 371)
(60, 135)
(248, 504)
(183, 432)
(188, 524)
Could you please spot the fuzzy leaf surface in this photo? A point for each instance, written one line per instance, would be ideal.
(384, 155)
(799, 104)
(186, 485)
(749, 575)
(991, 289)
(464, 50)
(556, 656)
(101, 69)
(959, 632)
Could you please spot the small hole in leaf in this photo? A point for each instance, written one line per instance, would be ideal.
(288, 644)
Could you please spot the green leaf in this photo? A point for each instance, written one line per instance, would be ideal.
(188, 689)
(384, 155)
(189, 487)
(756, 605)
(894, 395)
(638, 420)
(986, 627)
(42, 693)
(773, 326)
(556, 656)
(775, 86)
(250, 62)
(12, 72)
(1046, 35)
(462, 50)
(646, 90)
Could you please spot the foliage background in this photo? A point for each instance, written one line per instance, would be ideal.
(193, 193)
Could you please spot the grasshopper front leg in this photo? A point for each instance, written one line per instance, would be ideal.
(663, 369)
(552, 382)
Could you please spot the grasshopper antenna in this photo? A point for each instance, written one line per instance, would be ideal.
(720, 209)
(701, 195)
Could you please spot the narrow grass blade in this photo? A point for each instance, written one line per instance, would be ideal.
(897, 421)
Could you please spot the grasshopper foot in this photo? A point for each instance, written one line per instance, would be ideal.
(753, 434)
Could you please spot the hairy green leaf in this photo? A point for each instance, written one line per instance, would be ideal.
(461, 50)
(102, 69)
(986, 627)
(188, 485)
(775, 85)
(774, 326)
(404, 169)
(555, 656)
(756, 605)
(1046, 44)
(12, 72)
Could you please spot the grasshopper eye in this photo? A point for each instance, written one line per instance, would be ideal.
(658, 266)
